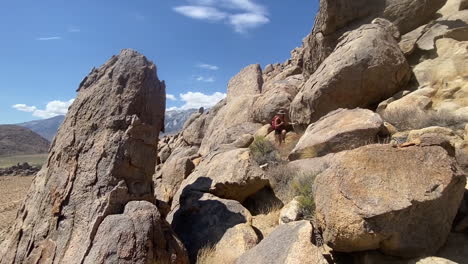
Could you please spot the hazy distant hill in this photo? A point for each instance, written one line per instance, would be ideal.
(175, 119)
(17, 140)
(47, 128)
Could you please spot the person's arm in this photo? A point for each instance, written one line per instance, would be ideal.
(279, 122)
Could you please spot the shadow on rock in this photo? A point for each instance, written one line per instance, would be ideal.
(201, 219)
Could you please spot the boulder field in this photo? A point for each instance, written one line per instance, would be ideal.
(373, 168)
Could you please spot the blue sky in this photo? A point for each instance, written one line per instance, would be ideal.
(47, 47)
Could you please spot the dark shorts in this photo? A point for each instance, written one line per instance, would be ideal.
(278, 131)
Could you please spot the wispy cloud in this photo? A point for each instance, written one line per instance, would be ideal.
(196, 100)
(205, 79)
(53, 108)
(242, 15)
(208, 66)
(246, 21)
(171, 97)
(201, 12)
(73, 29)
(49, 38)
(139, 17)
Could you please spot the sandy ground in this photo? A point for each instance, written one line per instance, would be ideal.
(13, 190)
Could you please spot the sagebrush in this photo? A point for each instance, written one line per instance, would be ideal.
(287, 183)
(302, 187)
(263, 151)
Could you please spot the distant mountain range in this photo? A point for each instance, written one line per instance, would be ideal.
(17, 140)
(47, 128)
(175, 119)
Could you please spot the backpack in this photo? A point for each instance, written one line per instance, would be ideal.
(274, 122)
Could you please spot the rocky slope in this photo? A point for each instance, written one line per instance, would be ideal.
(16, 140)
(373, 170)
(366, 75)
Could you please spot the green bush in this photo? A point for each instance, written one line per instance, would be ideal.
(302, 186)
(263, 151)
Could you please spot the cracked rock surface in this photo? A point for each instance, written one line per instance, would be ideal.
(390, 199)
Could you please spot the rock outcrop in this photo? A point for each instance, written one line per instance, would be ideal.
(339, 130)
(232, 174)
(366, 67)
(288, 243)
(276, 95)
(234, 119)
(23, 169)
(99, 172)
(399, 201)
(337, 17)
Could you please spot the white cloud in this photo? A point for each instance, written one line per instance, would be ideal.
(242, 15)
(197, 100)
(49, 38)
(204, 79)
(53, 108)
(171, 97)
(201, 12)
(208, 66)
(243, 22)
(24, 108)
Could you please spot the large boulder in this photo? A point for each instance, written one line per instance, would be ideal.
(289, 243)
(247, 82)
(102, 158)
(277, 95)
(401, 201)
(366, 67)
(169, 177)
(203, 219)
(123, 238)
(235, 242)
(194, 129)
(446, 75)
(442, 98)
(340, 130)
(336, 17)
(233, 174)
(234, 119)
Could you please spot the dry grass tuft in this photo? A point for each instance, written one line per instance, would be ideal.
(209, 255)
(268, 219)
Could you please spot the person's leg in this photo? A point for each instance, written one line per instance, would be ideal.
(283, 136)
(277, 137)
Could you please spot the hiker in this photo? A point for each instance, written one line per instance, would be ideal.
(279, 124)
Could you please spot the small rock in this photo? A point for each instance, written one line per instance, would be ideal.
(291, 212)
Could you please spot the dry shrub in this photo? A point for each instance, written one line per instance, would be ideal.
(409, 119)
(280, 177)
(209, 255)
(287, 183)
(263, 151)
